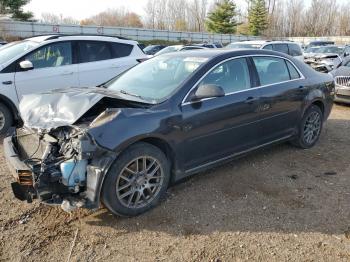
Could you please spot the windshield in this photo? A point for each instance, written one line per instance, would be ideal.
(12, 50)
(157, 78)
(331, 49)
(243, 46)
(170, 49)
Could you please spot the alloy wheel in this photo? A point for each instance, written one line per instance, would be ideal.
(312, 127)
(139, 182)
(2, 120)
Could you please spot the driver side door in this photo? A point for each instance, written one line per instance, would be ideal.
(53, 68)
(217, 128)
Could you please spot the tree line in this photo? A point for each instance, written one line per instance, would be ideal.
(271, 18)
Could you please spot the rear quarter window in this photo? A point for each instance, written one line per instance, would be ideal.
(121, 50)
(295, 50)
(294, 74)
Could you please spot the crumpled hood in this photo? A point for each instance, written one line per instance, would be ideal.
(327, 55)
(60, 107)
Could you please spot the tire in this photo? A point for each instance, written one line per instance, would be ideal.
(303, 140)
(6, 119)
(137, 186)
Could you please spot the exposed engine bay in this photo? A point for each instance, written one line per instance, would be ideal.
(65, 164)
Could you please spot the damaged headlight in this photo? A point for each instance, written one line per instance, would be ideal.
(105, 117)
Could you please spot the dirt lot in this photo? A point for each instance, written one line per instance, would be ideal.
(277, 204)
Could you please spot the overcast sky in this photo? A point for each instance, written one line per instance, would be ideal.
(80, 9)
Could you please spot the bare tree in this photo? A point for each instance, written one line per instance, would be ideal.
(57, 19)
(114, 17)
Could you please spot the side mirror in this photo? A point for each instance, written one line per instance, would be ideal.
(346, 54)
(26, 65)
(208, 91)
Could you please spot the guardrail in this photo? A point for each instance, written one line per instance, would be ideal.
(28, 29)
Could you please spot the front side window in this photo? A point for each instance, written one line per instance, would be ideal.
(271, 70)
(232, 76)
(282, 48)
(52, 55)
(92, 51)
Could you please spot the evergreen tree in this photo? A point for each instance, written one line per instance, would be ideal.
(14, 7)
(223, 18)
(257, 17)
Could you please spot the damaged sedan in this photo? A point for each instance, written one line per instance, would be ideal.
(327, 58)
(122, 144)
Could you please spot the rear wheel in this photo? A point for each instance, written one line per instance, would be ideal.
(136, 181)
(6, 119)
(310, 128)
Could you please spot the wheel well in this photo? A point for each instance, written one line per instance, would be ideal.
(319, 104)
(162, 145)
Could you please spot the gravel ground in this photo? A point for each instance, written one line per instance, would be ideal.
(277, 204)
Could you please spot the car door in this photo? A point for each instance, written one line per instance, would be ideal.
(282, 91)
(219, 127)
(53, 69)
(100, 61)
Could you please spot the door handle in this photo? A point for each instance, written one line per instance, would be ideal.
(250, 100)
(7, 83)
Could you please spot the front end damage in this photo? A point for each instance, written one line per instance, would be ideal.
(53, 156)
(64, 167)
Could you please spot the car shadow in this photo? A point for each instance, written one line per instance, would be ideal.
(278, 189)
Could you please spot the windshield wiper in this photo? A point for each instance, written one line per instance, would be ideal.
(130, 94)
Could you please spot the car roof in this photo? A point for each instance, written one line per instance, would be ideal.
(262, 42)
(44, 38)
(215, 53)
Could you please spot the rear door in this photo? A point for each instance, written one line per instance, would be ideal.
(282, 92)
(53, 68)
(219, 127)
(100, 61)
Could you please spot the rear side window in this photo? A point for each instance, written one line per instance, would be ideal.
(91, 51)
(294, 74)
(283, 48)
(271, 70)
(121, 50)
(295, 50)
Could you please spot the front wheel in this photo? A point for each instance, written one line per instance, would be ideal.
(136, 181)
(6, 119)
(310, 128)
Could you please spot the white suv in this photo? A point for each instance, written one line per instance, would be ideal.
(287, 47)
(50, 62)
